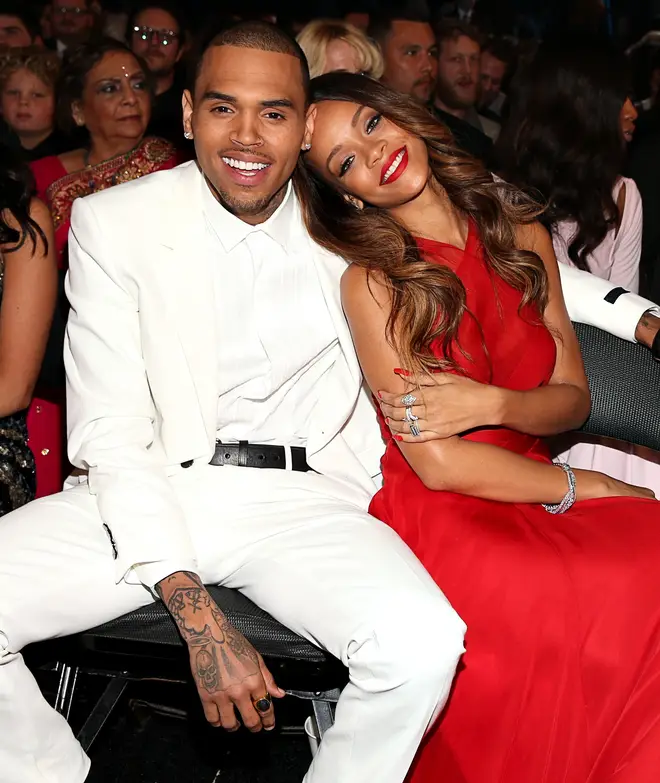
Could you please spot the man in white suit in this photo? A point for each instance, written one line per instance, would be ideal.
(206, 341)
(201, 312)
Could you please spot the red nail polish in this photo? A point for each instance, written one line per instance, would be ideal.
(380, 396)
(398, 437)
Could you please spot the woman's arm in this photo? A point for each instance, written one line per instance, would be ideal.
(627, 250)
(26, 311)
(452, 404)
(453, 464)
(564, 403)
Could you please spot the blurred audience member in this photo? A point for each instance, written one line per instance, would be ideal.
(158, 33)
(27, 98)
(496, 60)
(28, 284)
(71, 23)
(409, 52)
(359, 19)
(488, 16)
(653, 84)
(104, 88)
(458, 9)
(565, 141)
(358, 12)
(457, 88)
(18, 27)
(335, 45)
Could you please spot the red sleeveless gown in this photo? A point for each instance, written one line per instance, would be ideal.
(560, 682)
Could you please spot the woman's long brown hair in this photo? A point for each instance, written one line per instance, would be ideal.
(428, 300)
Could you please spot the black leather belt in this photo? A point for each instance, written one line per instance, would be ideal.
(255, 455)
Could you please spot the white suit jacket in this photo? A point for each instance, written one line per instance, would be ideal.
(141, 361)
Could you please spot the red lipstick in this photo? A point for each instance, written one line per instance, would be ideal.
(394, 166)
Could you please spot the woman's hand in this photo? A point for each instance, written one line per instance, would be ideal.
(446, 405)
(589, 485)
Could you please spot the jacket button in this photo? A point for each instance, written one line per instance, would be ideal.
(188, 463)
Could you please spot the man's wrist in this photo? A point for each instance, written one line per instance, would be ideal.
(647, 329)
(191, 606)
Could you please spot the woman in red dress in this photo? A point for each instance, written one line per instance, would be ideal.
(104, 89)
(554, 571)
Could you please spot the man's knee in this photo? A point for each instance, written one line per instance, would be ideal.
(419, 645)
(435, 642)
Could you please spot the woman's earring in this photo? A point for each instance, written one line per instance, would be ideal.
(355, 203)
(307, 147)
(187, 135)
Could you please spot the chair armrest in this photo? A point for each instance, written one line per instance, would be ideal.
(625, 388)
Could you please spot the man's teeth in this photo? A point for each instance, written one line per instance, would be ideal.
(245, 165)
(394, 166)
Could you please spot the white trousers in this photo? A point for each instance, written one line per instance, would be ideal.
(299, 545)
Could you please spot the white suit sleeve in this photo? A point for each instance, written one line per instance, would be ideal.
(597, 302)
(111, 413)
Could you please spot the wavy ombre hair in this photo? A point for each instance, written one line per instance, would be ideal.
(428, 300)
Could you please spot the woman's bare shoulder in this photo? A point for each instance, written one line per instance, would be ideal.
(363, 287)
(532, 236)
(39, 214)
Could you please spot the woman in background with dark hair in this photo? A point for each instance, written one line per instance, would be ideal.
(28, 284)
(103, 89)
(554, 570)
(565, 143)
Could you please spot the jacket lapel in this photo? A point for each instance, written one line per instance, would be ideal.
(189, 286)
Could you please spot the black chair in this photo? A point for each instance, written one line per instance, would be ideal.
(145, 644)
(625, 388)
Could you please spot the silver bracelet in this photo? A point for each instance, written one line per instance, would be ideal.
(569, 498)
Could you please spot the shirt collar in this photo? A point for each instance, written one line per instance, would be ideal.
(231, 230)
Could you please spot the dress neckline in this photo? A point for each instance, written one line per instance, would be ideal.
(424, 241)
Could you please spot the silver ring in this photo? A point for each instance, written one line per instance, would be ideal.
(414, 429)
(408, 399)
(410, 416)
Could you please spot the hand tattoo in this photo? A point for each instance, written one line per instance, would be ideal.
(190, 605)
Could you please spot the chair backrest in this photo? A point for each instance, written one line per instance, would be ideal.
(625, 388)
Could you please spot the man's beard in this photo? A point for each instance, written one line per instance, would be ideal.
(448, 95)
(249, 208)
(160, 72)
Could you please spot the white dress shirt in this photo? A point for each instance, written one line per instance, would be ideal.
(275, 335)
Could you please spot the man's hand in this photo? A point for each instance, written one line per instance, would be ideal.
(228, 671)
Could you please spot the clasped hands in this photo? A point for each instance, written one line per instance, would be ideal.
(447, 404)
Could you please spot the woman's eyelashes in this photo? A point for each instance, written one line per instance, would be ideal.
(345, 166)
(373, 122)
(369, 127)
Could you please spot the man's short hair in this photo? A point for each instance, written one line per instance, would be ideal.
(453, 29)
(18, 9)
(381, 22)
(261, 36)
(501, 50)
(173, 8)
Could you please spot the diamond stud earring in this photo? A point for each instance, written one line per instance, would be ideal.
(187, 135)
(307, 147)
